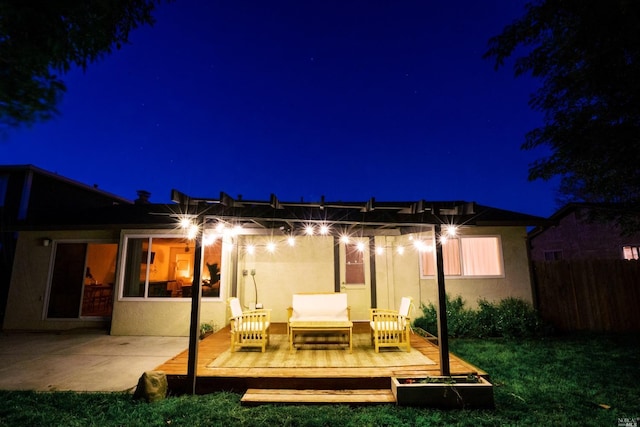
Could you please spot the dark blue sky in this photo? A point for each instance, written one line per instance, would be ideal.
(346, 99)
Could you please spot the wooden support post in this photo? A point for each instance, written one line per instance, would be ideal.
(196, 297)
(443, 330)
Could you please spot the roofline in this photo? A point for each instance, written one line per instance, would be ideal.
(32, 168)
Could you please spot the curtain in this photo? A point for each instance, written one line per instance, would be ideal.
(481, 256)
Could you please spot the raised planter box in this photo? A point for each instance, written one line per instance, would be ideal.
(471, 392)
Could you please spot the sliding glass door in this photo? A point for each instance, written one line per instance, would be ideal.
(82, 281)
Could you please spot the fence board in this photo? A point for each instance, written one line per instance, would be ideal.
(589, 295)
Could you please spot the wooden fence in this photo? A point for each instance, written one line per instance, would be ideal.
(589, 295)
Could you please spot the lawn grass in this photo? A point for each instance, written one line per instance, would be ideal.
(578, 380)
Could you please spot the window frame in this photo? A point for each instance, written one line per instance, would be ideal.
(553, 255)
(461, 259)
(350, 249)
(56, 244)
(632, 248)
(150, 235)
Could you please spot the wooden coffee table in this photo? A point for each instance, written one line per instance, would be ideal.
(338, 327)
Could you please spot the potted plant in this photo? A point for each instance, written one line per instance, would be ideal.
(455, 391)
(206, 329)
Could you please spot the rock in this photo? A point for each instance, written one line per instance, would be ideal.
(152, 386)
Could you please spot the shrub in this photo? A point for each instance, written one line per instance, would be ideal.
(460, 320)
(486, 325)
(517, 319)
(428, 321)
(510, 318)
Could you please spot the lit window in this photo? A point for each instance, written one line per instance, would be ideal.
(631, 252)
(467, 257)
(163, 267)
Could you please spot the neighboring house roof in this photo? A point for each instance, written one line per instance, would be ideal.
(273, 213)
(575, 207)
(583, 231)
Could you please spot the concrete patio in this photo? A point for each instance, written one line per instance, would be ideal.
(81, 360)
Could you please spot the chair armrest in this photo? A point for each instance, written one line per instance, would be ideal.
(383, 312)
(378, 311)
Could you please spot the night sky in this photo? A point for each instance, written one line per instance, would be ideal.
(346, 99)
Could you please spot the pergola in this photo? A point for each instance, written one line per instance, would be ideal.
(368, 218)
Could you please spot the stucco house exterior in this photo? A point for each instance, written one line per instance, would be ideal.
(574, 234)
(25, 191)
(130, 268)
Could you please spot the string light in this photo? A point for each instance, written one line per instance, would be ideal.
(451, 230)
(185, 222)
(223, 229)
(192, 232)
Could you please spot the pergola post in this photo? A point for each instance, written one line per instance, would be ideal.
(443, 331)
(196, 297)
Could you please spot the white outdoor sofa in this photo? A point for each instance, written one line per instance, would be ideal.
(319, 313)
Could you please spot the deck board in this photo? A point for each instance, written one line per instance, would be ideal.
(294, 378)
(289, 396)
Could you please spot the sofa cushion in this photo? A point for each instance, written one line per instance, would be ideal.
(319, 307)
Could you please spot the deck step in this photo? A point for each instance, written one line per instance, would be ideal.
(260, 396)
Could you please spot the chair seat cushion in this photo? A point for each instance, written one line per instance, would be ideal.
(382, 325)
(250, 326)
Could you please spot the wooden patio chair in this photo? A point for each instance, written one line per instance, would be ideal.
(391, 328)
(248, 328)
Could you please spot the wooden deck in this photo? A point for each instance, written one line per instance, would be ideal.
(351, 378)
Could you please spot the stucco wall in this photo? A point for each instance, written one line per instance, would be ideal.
(172, 316)
(28, 291)
(305, 267)
(399, 275)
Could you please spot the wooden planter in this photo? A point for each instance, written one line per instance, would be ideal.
(443, 392)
